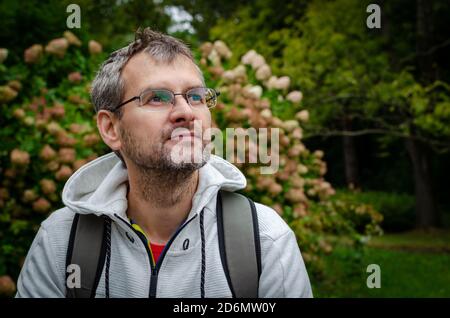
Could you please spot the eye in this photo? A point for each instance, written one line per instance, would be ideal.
(197, 96)
(157, 98)
(163, 97)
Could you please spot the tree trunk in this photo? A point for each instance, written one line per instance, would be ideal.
(426, 212)
(350, 158)
(424, 39)
(426, 209)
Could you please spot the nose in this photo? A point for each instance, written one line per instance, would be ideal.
(181, 111)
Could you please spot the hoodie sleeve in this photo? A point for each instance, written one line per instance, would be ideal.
(40, 276)
(283, 273)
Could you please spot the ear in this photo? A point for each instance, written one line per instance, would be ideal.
(108, 126)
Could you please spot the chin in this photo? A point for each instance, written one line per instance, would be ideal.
(186, 154)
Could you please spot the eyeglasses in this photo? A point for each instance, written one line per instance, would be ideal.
(163, 99)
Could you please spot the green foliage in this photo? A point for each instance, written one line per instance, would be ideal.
(298, 190)
(342, 68)
(336, 62)
(265, 26)
(352, 77)
(111, 23)
(417, 109)
(397, 209)
(205, 13)
(48, 131)
(28, 22)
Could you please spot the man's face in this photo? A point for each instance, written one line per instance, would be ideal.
(147, 137)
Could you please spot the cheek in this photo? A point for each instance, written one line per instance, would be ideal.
(145, 127)
(205, 117)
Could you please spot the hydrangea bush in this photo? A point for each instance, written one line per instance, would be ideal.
(252, 96)
(48, 131)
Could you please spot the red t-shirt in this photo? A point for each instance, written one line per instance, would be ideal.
(156, 250)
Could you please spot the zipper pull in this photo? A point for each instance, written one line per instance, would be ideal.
(153, 283)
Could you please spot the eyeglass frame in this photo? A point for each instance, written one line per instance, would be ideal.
(164, 89)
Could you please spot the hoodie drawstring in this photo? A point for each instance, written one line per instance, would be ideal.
(108, 254)
(202, 281)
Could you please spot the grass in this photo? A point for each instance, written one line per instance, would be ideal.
(413, 264)
(419, 240)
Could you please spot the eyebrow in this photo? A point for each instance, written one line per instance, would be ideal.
(166, 88)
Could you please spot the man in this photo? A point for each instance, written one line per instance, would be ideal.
(148, 96)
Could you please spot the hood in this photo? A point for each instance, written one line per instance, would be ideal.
(99, 187)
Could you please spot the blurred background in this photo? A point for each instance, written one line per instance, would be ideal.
(363, 113)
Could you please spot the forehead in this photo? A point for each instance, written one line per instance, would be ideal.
(143, 71)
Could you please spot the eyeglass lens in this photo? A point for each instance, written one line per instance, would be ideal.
(195, 97)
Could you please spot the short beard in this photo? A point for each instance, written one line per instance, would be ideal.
(161, 180)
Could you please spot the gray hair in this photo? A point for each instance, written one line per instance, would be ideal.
(108, 87)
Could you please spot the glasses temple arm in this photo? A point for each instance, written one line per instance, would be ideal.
(126, 102)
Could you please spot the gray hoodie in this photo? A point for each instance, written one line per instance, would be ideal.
(99, 187)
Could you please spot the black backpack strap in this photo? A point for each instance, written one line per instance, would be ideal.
(87, 249)
(239, 243)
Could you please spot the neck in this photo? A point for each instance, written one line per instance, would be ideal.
(160, 201)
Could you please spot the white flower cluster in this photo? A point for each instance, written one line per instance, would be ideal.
(218, 51)
(263, 73)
